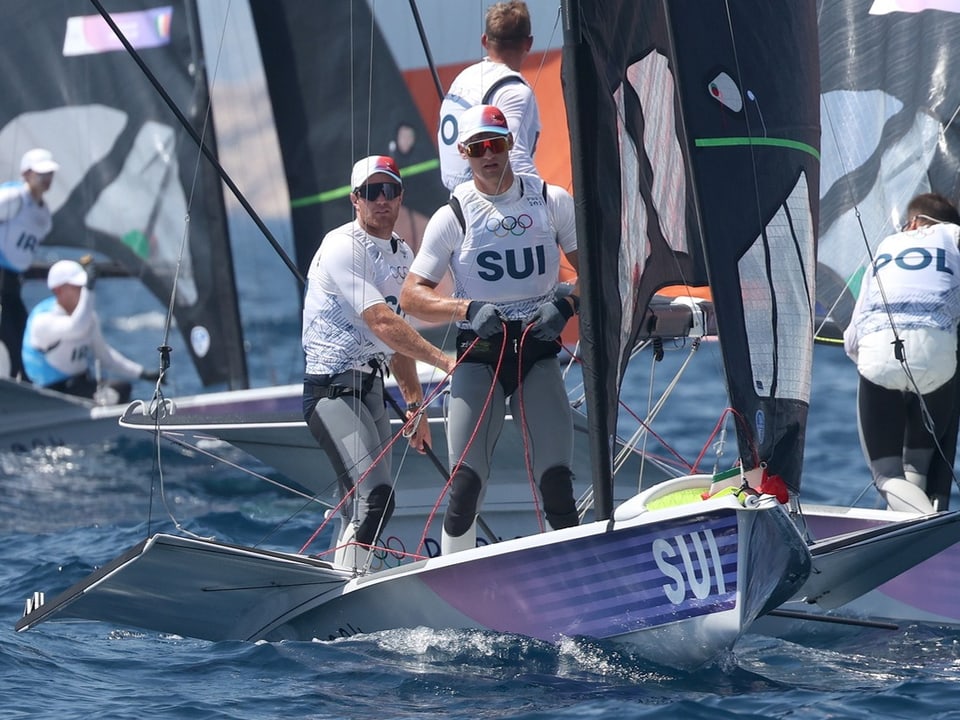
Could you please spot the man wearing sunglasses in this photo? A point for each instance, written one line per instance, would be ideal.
(501, 236)
(903, 337)
(495, 80)
(352, 328)
(25, 220)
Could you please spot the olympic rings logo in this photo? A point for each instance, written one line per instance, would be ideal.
(509, 225)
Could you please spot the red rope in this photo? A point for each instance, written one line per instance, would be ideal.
(330, 515)
(470, 440)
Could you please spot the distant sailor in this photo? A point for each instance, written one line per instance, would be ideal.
(495, 80)
(25, 220)
(502, 236)
(903, 338)
(353, 329)
(63, 341)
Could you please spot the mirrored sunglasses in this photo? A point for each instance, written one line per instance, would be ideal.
(372, 191)
(478, 148)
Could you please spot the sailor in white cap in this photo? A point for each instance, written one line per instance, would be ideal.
(501, 235)
(63, 339)
(25, 220)
(353, 328)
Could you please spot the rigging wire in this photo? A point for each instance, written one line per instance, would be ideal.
(426, 48)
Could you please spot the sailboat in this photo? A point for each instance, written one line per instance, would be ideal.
(890, 131)
(285, 443)
(677, 579)
(128, 174)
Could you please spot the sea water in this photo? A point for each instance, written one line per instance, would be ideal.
(64, 511)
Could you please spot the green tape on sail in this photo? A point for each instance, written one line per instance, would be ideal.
(344, 190)
(767, 141)
(138, 242)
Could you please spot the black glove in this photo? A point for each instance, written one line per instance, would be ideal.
(549, 319)
(150, 375)
(92, 274)
(485, 319)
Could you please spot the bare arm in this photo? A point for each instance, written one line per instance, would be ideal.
(402, 338)
(420, 298)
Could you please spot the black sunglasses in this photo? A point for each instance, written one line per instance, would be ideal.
(371, 191)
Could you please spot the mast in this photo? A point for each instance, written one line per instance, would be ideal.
(595, 325)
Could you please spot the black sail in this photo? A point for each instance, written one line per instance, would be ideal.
(129, 173)
(695, 134)
(337, 96)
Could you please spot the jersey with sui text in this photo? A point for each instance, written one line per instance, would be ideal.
(509, 254)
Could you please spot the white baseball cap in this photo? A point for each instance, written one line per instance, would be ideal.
(363, 169)
(66, 272)
(39, 160)
(482, 119)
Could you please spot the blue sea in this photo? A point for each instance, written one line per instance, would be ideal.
(65, 511)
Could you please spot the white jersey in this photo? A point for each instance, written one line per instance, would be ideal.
(57, 346)
(915, 284)
(23, 225)
(510, 93)
(510, 252)
(350, 272)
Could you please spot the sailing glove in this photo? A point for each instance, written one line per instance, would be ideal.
(549, 319)
(485, 319)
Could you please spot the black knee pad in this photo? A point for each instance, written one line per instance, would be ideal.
(556, 486)
(380, 505)
(464, 495)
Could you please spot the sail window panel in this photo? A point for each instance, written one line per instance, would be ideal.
(634, 248)
(781, 355)
(85, 136)
(858, 118)
(654, 84)
(902, 174)
(144, 202)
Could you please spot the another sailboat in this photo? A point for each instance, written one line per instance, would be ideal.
(128, 175)
(677, 581)
(890, 131)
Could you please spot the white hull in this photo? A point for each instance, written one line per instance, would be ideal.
(34, 417)
(678, 586)
(926, 591)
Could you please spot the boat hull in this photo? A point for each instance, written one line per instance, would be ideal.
(677, 586)
(927, 592)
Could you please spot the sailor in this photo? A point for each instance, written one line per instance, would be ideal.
(25, 220)
(495, 80)
(501, 236)
(353, 330)
(903, 338)
(63, 339)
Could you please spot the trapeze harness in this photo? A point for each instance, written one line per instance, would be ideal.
(319, 387)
